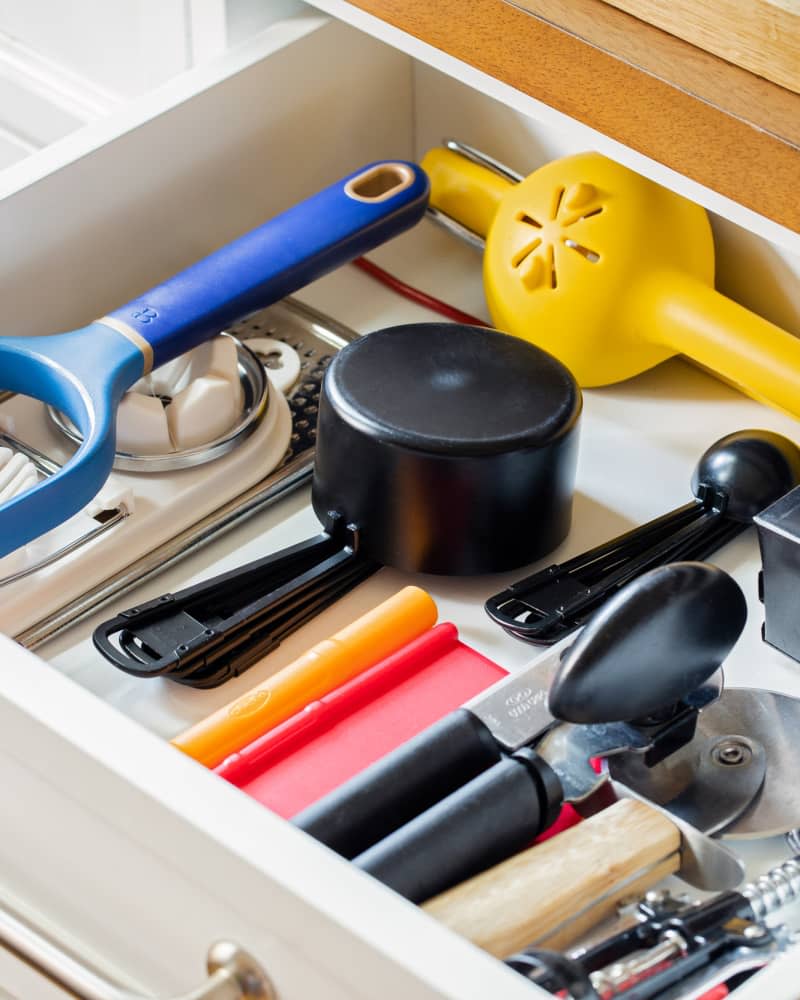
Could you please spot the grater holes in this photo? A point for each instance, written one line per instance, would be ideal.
(273, 360)
(304, 403)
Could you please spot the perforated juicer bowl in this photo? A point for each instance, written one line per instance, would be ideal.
(608, 271)
(573, 249)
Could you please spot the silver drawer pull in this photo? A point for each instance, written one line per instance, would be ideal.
(233, 973)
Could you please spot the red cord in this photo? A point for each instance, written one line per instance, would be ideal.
(415, 295)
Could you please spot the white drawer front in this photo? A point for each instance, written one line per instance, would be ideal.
(146, 858)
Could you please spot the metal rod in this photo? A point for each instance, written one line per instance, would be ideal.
(474, 155)
(44, 464)
(233, 973)
(483, 160)
(617, 978)
(118, 514)
(447, 222)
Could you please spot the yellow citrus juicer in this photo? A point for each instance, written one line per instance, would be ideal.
(608, 271)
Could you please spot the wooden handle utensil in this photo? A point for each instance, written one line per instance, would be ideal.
(553, 892)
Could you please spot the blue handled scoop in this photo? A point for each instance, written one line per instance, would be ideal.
(84, 373)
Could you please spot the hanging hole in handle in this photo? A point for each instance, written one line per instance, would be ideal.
(380, 182)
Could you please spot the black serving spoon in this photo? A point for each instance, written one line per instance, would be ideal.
(735, 479)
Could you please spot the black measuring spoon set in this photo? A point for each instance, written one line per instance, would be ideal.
(736, 478)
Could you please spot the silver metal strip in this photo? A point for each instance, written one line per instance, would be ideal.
(44, 464)
(456, 229)
(483, 160)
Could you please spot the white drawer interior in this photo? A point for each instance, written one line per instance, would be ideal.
(123, 203)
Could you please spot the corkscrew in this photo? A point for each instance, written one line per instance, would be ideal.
(675, 947)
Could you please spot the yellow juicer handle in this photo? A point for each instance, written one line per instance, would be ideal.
(692, 318)
(465, 191)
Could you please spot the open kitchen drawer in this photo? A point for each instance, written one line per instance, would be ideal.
(127, 850)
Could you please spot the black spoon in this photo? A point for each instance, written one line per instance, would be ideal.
(735, 479)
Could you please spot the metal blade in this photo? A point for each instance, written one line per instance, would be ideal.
(746, 715)
(711, 783)
(705, 863)
(515, 709)
(569, 750)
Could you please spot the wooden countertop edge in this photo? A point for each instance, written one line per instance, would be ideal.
(723, 151)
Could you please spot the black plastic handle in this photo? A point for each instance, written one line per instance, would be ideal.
(492, 817)
(265, 633)
(401, 785)
(650, 646)
(548, 604)
(205, 634)
(735, 479)
(163, 635)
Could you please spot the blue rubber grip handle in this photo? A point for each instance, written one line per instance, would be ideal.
(316, 236)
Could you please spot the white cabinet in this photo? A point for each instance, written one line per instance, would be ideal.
(130, 852)
(64, 65)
